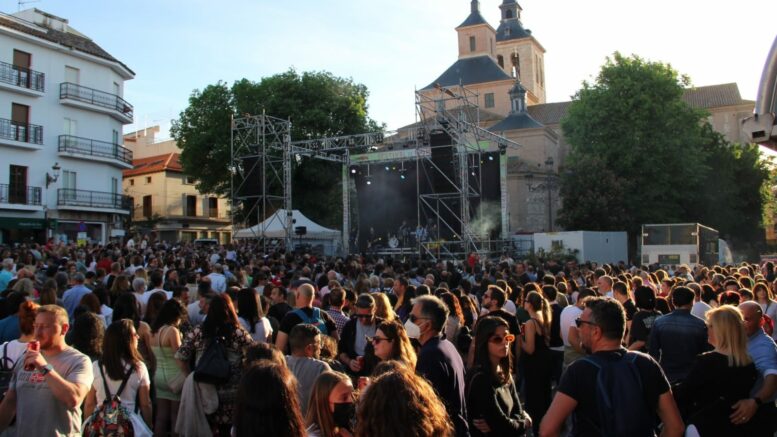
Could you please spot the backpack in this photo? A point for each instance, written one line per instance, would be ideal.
(315, 320)
(214, 366)
(111, 419)
(6, 371)
(623, 411)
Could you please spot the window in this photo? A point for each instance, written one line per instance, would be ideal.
(20, 119)
(132, 182)
(17, 188)
(556, 244)
(69, 184)
(147, 209)
(472, 44)
(508, 14)
(489, 98)
(70, 127)
(148, 179)
(516, 65)
(188, 180)
(21, 62)
(501, 61)
(115, 136)
(213, 207)
(191, 206)
(116, 89)
(72, 75)
(114, 185)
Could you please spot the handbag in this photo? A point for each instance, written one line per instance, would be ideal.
(214, 366)
(175, 385)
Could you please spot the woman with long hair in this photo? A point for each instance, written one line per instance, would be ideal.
(154, 304)
(120, 285)
(383, 309)
(220, 325)
(121, 361)
(719, 378)
(48, 294)
(251, 316)
(456, 318)
(401, 403)
(765, 298)
(537, 359)
(492, 397)
(169, 375)
(331, 409)
(86, 334)
(126, 307)
(392, 343)
(272, 412)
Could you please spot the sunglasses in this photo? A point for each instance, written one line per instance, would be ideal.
(377, 340)
(580, 322)
(498, 339)
(413, 318)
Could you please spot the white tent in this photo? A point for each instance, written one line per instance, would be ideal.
(273, 227)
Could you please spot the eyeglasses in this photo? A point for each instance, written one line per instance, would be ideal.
(580, 322)
(498, 339)
(413, 318)
(377, 340)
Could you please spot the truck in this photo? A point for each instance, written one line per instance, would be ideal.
(682, 243)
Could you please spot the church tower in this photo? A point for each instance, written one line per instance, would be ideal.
(519, 54)
(476, 36)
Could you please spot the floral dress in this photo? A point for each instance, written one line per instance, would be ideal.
(194, 344)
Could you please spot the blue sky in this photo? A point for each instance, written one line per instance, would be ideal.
(176, 46)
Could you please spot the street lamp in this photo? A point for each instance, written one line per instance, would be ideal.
(52, 179)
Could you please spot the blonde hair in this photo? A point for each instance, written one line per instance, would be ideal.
(383, 307)
(57, 311)
(318, 405)
(728, 325)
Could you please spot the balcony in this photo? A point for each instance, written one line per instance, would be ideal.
(93, 100)
(98, 201)
(25, 136)
(94, 150)
(22, 80)
(175, 213)
(20, 197)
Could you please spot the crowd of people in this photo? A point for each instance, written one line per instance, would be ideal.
(230, 341)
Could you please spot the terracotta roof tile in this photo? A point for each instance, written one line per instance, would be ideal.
(155, 164)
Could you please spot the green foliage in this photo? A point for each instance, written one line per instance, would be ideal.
(639, 154)
(318, 104)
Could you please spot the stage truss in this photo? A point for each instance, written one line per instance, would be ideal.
(265, 142)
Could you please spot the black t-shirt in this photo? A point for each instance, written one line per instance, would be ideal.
(641, 325)
(291, 320)
(279, 310)
(555, 326)
(580, 379)
(630, 309)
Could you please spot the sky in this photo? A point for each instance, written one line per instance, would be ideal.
(397, 46)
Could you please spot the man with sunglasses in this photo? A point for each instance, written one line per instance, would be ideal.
(353, 343)
(439, 361)
(601, 327)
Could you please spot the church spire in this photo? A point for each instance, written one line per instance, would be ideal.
(517, 98)
(511, 10)
(474, 15)
(510, 26)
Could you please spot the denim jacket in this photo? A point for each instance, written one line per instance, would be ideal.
(675, 340)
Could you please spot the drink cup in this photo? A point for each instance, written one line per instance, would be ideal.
(33, 346)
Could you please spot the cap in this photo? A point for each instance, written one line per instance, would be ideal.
(365, 301)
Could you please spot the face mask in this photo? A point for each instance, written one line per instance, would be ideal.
(413, 331)
(344, 415)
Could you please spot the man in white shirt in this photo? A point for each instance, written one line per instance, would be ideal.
(604, 286)
(567, 326)
(155, 279)
(218, 282)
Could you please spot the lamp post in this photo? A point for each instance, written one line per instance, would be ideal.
(52, 179)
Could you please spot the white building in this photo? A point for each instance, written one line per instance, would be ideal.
(61, 118)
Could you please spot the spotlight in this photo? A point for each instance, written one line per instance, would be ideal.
(387, 168)
(402, 176)
(473, 173)
(490, 157)
(369, 181)
(353, 170)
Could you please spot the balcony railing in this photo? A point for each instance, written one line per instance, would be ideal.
(22, 77)
(20, 194)
(86, 146)
(93, 199)
(23, 132)
(95, 97)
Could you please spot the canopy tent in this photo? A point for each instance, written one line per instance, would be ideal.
(273, 227)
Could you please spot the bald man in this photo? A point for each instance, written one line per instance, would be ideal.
(305, 312)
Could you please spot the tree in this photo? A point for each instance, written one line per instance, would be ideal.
(318, 104)
(639, 154)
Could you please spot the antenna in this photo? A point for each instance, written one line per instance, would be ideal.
(24, 2)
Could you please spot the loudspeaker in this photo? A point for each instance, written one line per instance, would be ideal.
(252, 171)
(300, 230)
(442, 157)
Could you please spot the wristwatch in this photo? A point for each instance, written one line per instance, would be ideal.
(46, 369)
